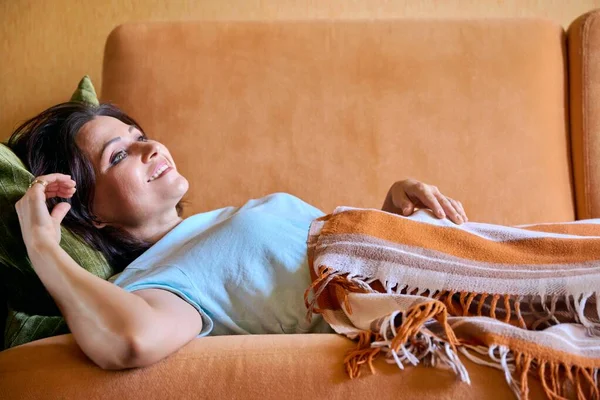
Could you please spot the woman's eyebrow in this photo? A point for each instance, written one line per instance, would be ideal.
(116, 139)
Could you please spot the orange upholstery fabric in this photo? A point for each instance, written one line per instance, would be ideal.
(584, 78)
(242, 367)
(335, 112)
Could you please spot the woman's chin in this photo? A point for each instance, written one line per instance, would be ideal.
(181, 186)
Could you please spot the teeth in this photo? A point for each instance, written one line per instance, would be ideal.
(160, 171)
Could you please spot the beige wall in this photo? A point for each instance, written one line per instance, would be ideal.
(47, 45)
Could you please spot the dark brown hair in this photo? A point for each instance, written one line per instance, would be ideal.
(46, 144)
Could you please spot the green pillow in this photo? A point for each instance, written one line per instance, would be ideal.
(85, 92)
(32, 313)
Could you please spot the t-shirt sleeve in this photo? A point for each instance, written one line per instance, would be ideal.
(166, 277)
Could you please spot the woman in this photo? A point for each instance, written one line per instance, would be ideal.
(234, 270)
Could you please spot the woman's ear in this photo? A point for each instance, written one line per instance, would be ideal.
(98, 224)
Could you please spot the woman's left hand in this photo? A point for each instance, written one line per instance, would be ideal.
(404, 196)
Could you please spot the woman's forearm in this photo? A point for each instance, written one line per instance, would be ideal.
(102, 317)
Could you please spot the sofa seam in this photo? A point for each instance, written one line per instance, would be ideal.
(233, 355)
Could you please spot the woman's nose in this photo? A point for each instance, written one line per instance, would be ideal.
(149, 151)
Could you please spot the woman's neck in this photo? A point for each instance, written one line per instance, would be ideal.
(154, 230)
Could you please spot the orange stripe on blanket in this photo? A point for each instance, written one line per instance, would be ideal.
(463, 244)
(542, 352)
(566, 229)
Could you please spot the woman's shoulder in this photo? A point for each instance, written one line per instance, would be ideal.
(278, 202)
(284, 204)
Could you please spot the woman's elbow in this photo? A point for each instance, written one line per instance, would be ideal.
(112, 366)
(139, 352)
(125, 355)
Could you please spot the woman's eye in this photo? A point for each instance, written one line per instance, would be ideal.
(118, 157)
(122, 154)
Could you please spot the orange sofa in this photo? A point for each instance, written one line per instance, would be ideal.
(498, 113)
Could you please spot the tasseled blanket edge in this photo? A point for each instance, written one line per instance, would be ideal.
(411, 343)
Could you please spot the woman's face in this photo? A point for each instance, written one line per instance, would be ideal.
(128, 192)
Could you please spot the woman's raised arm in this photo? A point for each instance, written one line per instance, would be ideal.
(113, 327)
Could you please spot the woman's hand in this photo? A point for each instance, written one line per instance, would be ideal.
(38, 226)
(404, 196)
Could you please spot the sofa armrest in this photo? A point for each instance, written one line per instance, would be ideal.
(584, 86)
(299, 366)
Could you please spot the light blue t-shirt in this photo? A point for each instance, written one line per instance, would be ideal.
(243, 268)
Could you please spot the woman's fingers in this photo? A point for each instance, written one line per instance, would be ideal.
(410, 194)
(451, 211)
(58, 185)
(401, 201)
(59, 211)
(459, 207)
(67, 183)
(426, 195)
(60, 192)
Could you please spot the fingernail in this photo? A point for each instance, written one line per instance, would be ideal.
(459, 218)
(441, 213)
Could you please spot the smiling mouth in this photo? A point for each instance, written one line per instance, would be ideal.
(161, 171)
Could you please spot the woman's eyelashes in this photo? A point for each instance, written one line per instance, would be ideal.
(122, 154)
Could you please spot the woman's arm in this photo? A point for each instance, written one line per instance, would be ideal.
(114, 328)
(174, 323)
(104, 319)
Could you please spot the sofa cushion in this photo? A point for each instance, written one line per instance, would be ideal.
(335, 111)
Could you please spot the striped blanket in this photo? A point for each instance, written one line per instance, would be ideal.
(419, 289)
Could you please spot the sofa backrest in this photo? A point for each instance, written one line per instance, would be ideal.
(336, 111)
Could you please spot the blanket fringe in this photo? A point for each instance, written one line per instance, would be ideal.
(560, 381)
(593, 327)
(541, 313)
(362, 354)
(409, 343)
(326, 276)
(404, 339)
